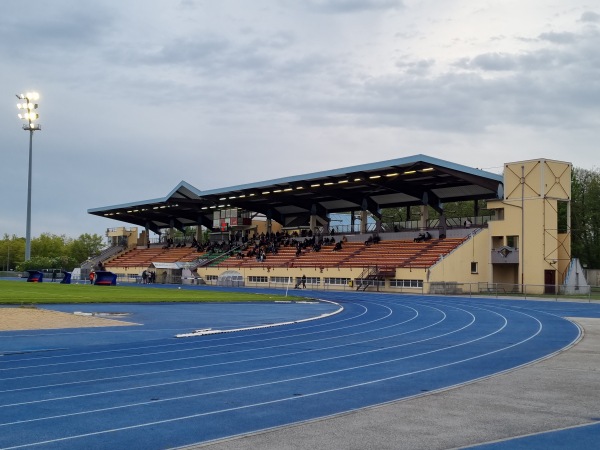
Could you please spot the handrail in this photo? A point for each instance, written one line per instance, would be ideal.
(208, 262)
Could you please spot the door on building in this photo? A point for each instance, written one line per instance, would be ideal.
(549, 281)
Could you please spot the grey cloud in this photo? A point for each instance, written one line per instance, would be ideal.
(573, 50)
(419, 67)
(210, 54)
(198, 51)
(559, 38)
(590, 16)
(490, 61)
(351, 6)
(46, 34)
(453, 102)
(549, 87)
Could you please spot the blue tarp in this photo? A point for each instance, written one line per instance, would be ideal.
(105, 278)
(35, 276)
(66, 278)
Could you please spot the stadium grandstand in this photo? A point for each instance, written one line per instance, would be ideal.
(326, 230)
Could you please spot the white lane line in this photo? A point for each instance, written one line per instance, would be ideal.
(180, 344)
(267, 368)
(232, 353)
(157, 372)
(193, 349)
(111, 358)
(284, 399)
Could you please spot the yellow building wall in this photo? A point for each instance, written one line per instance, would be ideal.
(457, 265)
(116, 234)
(529, 211)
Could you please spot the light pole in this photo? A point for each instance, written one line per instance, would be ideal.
(29, 115)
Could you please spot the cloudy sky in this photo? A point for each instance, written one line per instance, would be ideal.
(138, 95)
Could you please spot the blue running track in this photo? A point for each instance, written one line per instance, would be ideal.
(139, 387)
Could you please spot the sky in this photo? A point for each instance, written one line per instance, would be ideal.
(138, 95)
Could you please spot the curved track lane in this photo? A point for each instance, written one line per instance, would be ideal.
(170, 393)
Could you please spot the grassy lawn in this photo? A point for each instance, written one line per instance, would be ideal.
(21, 293)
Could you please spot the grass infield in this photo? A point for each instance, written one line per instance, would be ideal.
(21, 293)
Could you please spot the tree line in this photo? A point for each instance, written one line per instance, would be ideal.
(48, 251)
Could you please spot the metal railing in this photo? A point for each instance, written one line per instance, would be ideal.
(449, 289)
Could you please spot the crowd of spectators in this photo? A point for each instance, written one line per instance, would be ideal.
(260, 246)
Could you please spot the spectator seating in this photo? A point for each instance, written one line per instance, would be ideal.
(385, 254)
(142, 257)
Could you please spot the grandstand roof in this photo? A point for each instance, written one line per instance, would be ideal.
(413, 180)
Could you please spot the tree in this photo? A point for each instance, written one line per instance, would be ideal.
(49, 245)
(12, 251)
(48, 262)
(84, 247)
(585, 216)
(48, 251)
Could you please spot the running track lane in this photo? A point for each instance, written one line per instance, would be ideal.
(175, 392)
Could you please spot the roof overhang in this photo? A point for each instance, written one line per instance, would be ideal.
(414, 180)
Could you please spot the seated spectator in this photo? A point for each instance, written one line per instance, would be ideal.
(337, 246)
(420, 238)
(427, 236)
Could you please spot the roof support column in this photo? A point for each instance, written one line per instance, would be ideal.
(269, 225)
(312, 223)
(424, 217)
(273, 214)
(318, 214)
(369, 205)
(147, 231)
(443, 224)
(378, 224)
(199, 230)
(363, 222)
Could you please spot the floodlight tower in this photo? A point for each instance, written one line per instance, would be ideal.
(28, 106)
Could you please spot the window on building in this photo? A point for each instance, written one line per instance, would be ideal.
(254, 279)
(512, 241)
(406, 283)
(336, 280)
(474, 268)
